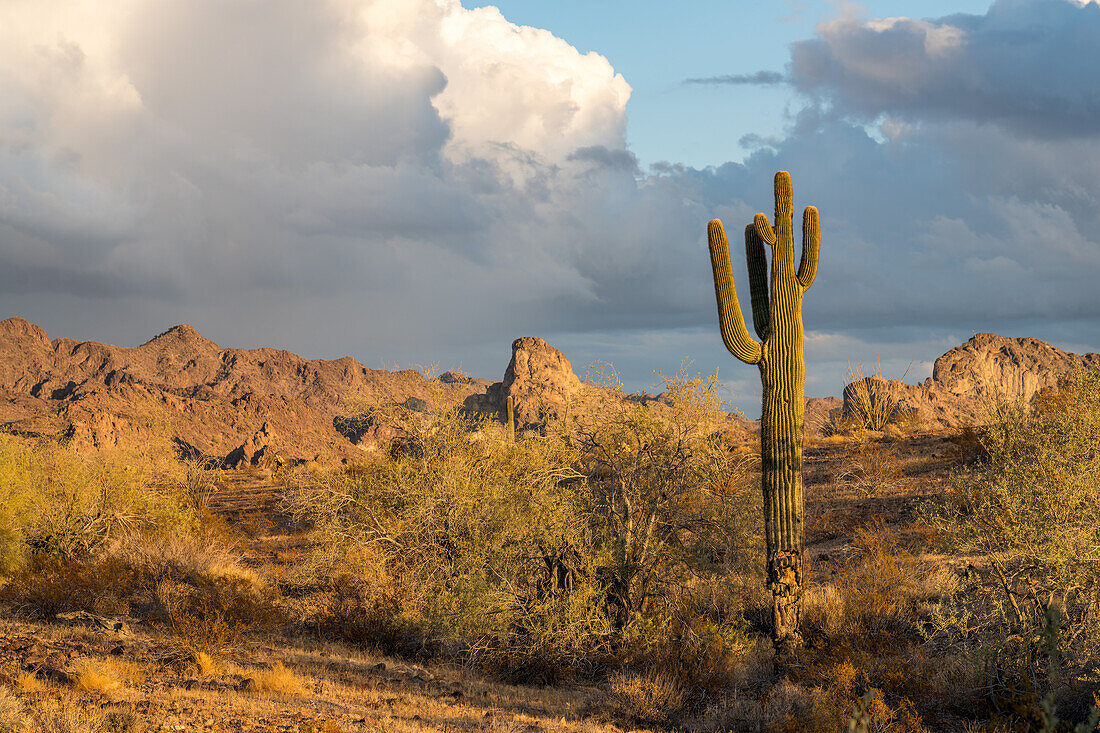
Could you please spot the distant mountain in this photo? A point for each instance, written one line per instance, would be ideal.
(211, 401)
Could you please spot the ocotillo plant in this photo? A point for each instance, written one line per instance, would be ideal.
(777, 319)
(511, 420)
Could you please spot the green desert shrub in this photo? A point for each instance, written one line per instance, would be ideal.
(118, 537)
(1028, 508)
(559, 554)
(58, 503)
(468, 537)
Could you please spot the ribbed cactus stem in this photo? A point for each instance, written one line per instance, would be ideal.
(777, 319)
(511, 420)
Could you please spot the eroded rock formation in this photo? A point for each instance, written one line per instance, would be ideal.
(988, 367)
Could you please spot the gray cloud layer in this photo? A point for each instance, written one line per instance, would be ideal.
(1029, 66)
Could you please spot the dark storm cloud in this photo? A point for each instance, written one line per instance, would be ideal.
(1029, 65)
(925, 228)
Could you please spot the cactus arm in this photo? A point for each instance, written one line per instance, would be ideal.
(758, 282)
(764, 229)
(734, 334)
(811, 245)
(511, 420)
(784, 198)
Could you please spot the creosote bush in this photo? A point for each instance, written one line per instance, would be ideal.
(1028, 506)
(61, 504)
(619, 546)
(118, 536)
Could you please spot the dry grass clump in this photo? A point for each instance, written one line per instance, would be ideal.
(28, 682)
(62, 715)
(823, 609)
(104, 675)
(652, 697)
(278, 680)
(206, 665)
(12, 717)
(95, 676)
(871, 469)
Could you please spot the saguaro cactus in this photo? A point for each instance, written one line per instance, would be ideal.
(777, 319)
(511, 420)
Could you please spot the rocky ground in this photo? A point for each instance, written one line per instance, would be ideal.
(324, 687)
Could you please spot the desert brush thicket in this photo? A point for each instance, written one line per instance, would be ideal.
(777, 319)
(59, 503)
(626, 545)
(122, 535)
(623, 549)
(1028, 508)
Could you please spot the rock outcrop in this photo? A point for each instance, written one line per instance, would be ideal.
(540, 381)
(986, 368)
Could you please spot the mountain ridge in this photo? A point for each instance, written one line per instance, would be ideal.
(244, 406)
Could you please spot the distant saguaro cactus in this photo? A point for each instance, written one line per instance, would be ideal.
(777, 319)
(511, 420)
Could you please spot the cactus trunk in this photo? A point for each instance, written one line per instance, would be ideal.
(777, 319)
(782, 373)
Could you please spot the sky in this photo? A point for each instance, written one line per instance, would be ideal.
(419, 182)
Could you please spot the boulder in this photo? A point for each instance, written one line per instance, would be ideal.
(256, 451)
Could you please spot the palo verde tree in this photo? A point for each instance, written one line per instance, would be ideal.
(777, 319)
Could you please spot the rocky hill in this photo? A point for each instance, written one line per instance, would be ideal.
(242, 407)
(242, 404)
(988, 367)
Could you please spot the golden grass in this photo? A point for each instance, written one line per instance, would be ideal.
(28, 682)
(66, 715)
(652, 697)
(12, 717)
(823, 608)
(206, 665)
(95, 676)
(278, 680)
